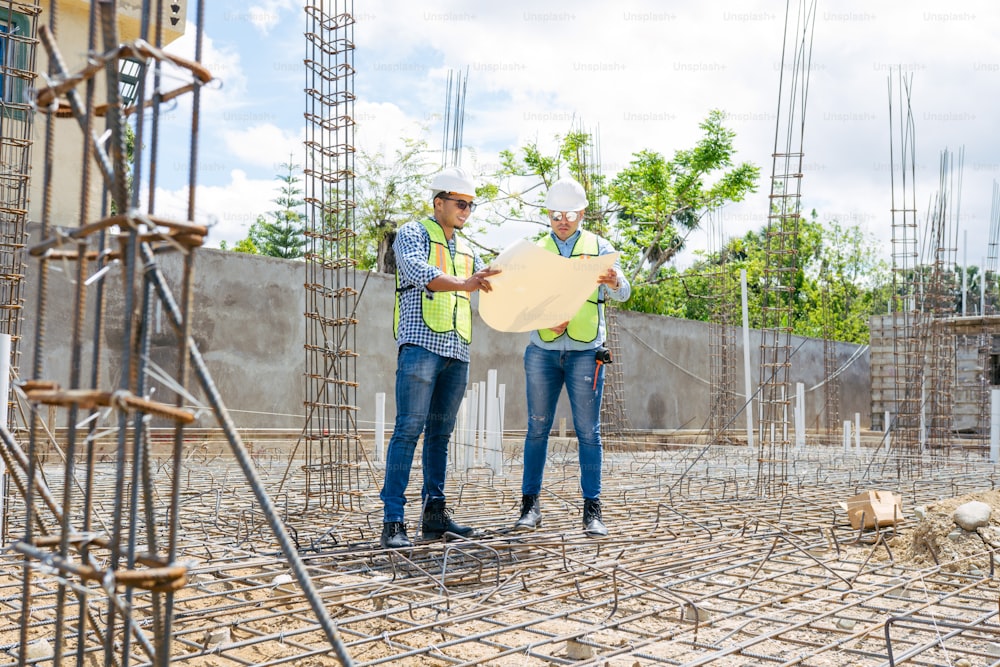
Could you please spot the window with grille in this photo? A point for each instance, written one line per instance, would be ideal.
(129, 73)
(13, 61)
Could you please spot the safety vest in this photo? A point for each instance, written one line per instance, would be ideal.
(584, 325)
(446, 311)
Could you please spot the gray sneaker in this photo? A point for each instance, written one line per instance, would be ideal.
(592, 524)
(531, 514)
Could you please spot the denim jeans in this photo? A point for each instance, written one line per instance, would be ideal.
(546, 372)
(429, 391)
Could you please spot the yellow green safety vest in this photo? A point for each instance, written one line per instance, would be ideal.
(446, 311)
(584, 325)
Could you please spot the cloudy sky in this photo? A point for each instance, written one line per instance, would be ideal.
(642, 74)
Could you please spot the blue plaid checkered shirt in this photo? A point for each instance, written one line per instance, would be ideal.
(412, 247)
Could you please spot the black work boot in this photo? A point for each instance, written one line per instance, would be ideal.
(592, 524)
(394, 536)
(437, 521)
(531, 514)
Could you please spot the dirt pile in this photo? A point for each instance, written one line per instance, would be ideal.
(937, 540)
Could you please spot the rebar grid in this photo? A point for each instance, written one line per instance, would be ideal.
(700, 569)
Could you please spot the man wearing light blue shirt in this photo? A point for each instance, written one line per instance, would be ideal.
(570, 354)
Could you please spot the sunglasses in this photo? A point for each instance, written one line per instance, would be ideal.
(462, 204)
(570, 216)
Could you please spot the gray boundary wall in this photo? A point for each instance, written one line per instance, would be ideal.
(249, 325)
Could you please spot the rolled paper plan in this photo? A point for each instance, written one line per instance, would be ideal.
(538, 289)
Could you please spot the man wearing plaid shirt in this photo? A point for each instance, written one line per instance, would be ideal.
(436, 272)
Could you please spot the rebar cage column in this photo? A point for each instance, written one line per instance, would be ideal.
(781, 267)
(17, 70)
(333, 448)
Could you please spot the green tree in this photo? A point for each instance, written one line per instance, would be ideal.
(280, 233)
(838, 282)
(517, 189)
(129, 132)
(389, 191)
(651, 205)
(849, 275)
(246, 245)
(660, 202)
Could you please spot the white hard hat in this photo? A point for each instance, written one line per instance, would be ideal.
(566, 195)
(454, 179)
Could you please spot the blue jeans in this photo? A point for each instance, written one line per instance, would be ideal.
(429, 391)
(546, 371)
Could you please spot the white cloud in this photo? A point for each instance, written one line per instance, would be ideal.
(639, 73)
(228, 209)
(264, 145)
(225, 63)
(265, 16)
(644, 74)
(382, 126)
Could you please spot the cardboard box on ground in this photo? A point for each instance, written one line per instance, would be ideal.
(875, 508)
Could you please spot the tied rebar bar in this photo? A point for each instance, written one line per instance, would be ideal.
(99, 541)
(616, 427)
(724, 357)
(724, 310)
(454, 118)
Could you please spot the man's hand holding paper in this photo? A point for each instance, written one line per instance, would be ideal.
(537, 289)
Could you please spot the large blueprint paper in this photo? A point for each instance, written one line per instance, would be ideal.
(538, 289)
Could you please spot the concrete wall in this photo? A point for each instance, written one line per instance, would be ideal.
(248, 323)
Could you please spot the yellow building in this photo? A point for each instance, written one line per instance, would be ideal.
(24, 70)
